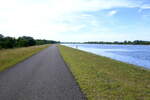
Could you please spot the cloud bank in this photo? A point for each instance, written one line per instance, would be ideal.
(58, 19)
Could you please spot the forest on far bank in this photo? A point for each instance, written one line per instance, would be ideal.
(135, 42)
(24, 41)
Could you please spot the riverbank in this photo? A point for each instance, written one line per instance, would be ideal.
(10, 57)
(101, 78)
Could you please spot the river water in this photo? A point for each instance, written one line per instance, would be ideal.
(132, 54)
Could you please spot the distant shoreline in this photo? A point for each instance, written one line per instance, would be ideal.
(135, 42)
(107, 44)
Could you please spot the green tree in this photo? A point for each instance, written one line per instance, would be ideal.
(1, 37)
(8, 42)
(25, 41)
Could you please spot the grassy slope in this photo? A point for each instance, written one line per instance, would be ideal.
(101, 78)
(9, 57)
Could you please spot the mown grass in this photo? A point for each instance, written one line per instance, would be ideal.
(101, 78)
(10, 57)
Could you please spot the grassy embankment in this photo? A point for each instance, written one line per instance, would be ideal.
(10, 57)
(101, 78)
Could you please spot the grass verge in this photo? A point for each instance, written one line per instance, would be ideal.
(101, 78)
(10, 57)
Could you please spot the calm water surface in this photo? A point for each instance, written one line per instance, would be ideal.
(132, 54)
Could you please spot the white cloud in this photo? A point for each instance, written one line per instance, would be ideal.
(113, 12)
(92, 37)
(89, 5)
(7, 3)
(86, 15)
(45, 19)
(143, 7)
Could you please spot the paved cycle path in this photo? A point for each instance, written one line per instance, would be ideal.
(43, 76)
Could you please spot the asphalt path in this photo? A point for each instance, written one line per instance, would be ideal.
(43, 76)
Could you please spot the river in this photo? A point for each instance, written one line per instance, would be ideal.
(133, 54)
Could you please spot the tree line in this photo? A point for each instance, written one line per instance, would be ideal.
(24, 41)
(136, 42)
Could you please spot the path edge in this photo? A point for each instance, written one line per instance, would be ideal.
(83, 94)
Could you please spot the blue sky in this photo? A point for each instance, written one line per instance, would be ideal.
(76, 20)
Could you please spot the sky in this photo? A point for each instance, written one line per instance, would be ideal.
(76, 20)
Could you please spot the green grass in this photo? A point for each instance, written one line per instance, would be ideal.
(10, 57)
(101, 78)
